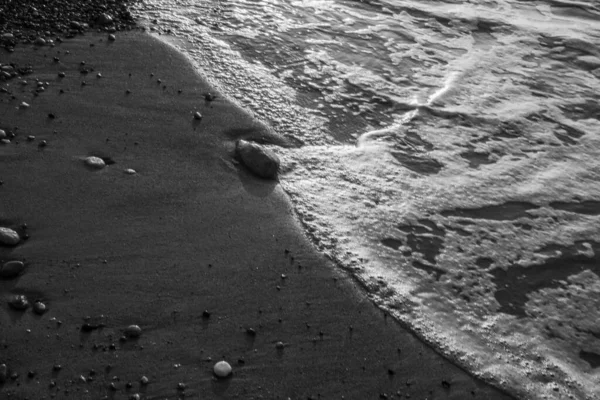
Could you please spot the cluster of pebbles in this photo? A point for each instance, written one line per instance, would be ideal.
(44, 21)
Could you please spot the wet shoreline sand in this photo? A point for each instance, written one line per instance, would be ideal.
(208, 260)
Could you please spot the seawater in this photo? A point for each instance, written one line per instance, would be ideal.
(448, 155)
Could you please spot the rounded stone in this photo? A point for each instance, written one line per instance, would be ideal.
(133, 331)
(112, 37)
(9, 237)
(3, 373)
(95, 162)
(130, 171)
(197, 115)
(18, 302)
(2, 134)
(39, 308)
(222, 369)
(11, 269)
(40, 41)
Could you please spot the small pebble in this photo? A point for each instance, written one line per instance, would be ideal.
(144, 380)
(11, 269)
(222, 369)
(130, 171)
(9, 237)
(133, 331)
(95, 162)
(2, 134)
(279, 345)
(39, 307)
(61, 74)
(30, 138)
(24, 105)
(135, 396)
(181, 386)
(43, 143)
(112, 37)
(197, 115)
(99, 75)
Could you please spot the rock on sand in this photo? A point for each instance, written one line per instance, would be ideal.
(222, 369)
(95, 162)
(261, 161)
(9, 237)
(11, 269)
(133, 331)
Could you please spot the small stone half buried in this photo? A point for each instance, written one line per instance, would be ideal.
(95, 162)
(133, 331)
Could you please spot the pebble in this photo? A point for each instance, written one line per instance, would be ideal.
(18, 302)
(3, 373)
(11, 269)
(39, 308)
(197, 115)
(133, 331)
(105, 19)
(144, 380)
(24, 105)
(181, 386)
(130, 171)
(9, 237)
(112, 37)
(279, 345)
(30, 138)
(40, 41)
(2, 134)
(95, 162)
(5, 141)
(61, 74)
(222, 369)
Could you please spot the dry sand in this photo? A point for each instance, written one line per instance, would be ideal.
(191, 231)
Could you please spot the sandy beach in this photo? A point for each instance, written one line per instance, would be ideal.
(175, 236)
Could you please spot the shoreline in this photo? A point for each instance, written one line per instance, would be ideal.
(189, 232)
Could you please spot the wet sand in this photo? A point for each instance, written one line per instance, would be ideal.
(208, 260)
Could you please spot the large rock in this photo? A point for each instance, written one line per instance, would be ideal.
(9, 237)
(261, 161)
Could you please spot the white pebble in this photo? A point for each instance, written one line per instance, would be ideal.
(9, 237)
(222, 369)
(95, 162)
(130, 171)
(2, 134)
(197, 115)
(24, 105)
